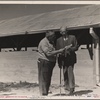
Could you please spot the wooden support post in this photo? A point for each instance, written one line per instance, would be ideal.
(96, 58)
(25, 48)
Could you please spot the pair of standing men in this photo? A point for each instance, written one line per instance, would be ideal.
(65, 48)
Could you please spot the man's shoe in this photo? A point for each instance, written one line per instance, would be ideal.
(71, 91)
(44, 94)
(67, 91)
(50, 92)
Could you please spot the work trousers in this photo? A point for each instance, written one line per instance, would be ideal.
(45, 69)
(69, 80)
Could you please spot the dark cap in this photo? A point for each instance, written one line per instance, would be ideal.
(50, 33)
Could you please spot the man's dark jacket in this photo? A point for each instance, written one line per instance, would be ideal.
(68, 57)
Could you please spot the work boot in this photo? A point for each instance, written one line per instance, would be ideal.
(44, 94)
(71, 91)
(67, 91)
(50, 92)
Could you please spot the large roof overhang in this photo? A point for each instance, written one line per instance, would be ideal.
(76, 18)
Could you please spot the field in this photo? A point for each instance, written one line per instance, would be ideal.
(19, 74)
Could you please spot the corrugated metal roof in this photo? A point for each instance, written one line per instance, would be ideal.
(72, 18)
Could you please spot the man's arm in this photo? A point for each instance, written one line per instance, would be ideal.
(49, 52)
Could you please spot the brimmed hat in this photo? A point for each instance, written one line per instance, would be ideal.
(50, 33)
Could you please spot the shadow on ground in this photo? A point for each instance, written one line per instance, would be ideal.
(60, 94)
(77, 93)
(82, 92)
(6, 87)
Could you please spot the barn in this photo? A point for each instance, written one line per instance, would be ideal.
(27, 31)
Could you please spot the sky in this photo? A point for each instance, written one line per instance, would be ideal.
(9, 11)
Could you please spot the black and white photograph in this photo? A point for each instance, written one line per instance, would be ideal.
(49, 50)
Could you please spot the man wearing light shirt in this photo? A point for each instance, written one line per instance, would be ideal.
(47, 61)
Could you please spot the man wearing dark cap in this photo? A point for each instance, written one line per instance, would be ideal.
(67, 59)
(46, 61)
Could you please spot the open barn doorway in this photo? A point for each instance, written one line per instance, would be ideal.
(18, 42)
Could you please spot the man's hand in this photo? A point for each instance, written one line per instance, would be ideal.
(61, 50)
(67, 50)
(67, 47)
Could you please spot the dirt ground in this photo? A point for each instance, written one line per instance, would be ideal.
(19, 77)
